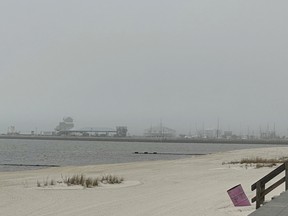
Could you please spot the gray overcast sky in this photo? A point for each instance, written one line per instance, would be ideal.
(131, 62)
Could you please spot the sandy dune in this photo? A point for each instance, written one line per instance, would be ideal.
(194, 186)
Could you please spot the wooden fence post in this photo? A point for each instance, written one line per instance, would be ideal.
(261, 191)
(258, 195)
(286, 175)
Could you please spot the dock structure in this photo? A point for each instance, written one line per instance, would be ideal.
(88, 130)
(120, 131)
(276, 207)
(65, 128)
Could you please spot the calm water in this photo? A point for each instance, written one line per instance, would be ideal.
(66, 153)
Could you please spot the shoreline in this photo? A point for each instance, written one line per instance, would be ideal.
(189, 186)
(45, 166)
(149, 139)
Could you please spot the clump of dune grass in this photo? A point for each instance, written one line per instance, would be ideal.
(260, 165)
(81, 179)
(46, 183)
(52, 182)
(92, 182)
(111, 179)
(259, 162)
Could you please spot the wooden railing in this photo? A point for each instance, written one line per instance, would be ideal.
(260, 185)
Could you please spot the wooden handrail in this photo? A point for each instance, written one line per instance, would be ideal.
(260, 185)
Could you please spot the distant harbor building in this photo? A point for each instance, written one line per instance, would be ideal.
(47, 133)
(65, 125)
(12, 130)
(227, 134)
(268, 134)
(121, 131)
(209, 133)
(159, 131)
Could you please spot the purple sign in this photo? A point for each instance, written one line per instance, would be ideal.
(238, 196)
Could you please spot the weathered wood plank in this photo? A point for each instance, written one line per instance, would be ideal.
(275, 207)
(269, 189)
(269, 176)
(286, 175)
(258, 194)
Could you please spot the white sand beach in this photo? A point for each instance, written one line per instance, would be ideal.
(194, 186)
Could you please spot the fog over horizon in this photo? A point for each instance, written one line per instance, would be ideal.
(138, 63)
